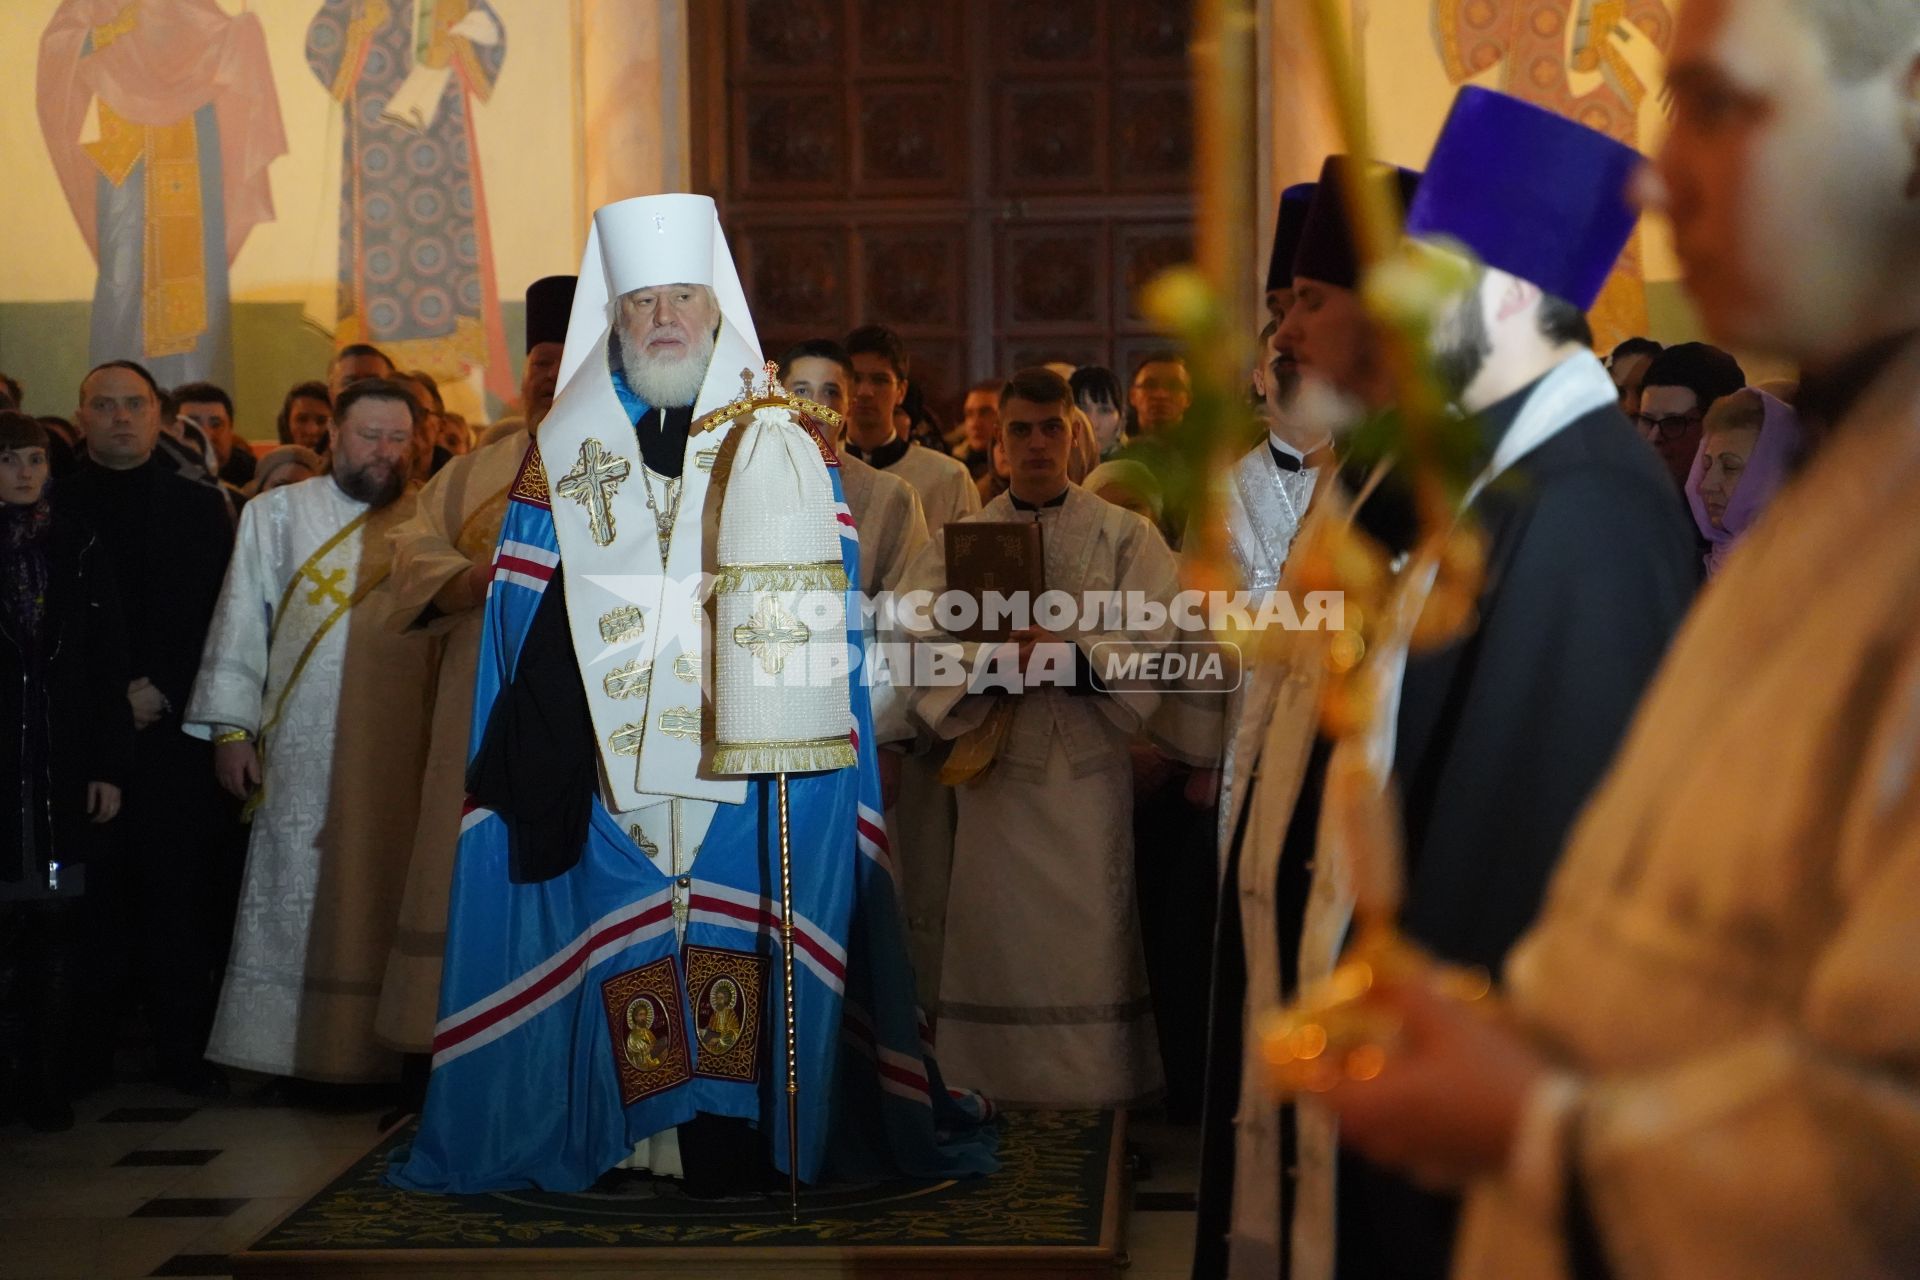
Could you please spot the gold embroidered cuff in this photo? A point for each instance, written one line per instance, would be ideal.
(232, 735)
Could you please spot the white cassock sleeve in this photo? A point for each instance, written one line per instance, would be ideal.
(899, 537)
(1145, 571)
(231, 686)
(953, 497)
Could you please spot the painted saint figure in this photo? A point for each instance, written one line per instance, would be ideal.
(643, 1047)
(161, 118)
(416, 258)
(722, 1031)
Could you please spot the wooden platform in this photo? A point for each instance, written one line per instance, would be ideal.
(1058, 1207)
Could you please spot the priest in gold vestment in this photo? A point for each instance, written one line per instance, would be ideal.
(443, 558)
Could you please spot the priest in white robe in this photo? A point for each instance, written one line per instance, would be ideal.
(1707, 1067)
(1043, 993)
(1264, 502)
(442, 563)
(1267, 725)
(319, 713)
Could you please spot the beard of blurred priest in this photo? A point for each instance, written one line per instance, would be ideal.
(318, 716)
(610, 904)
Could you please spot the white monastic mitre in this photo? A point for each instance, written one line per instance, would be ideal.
(637, 632)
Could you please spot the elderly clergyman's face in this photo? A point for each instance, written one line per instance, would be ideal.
(666, 341)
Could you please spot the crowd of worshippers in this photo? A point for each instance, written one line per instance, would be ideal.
(265, 887)
(128, 883)
(127, 880)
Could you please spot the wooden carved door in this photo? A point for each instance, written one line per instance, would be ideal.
(992, 179)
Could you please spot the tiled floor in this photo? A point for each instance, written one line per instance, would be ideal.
(1160, 1233)
(147, 1184)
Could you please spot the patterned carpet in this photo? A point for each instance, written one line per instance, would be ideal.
(1050, 1193)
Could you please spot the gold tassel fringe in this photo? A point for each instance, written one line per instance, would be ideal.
(817, 755)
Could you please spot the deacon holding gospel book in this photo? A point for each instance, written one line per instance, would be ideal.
(1043, 992)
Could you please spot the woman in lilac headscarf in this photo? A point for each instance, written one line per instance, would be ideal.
(1750, 445)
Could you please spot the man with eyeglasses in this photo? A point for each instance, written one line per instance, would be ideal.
(1681, 384)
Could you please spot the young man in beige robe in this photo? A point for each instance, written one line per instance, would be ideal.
(1043, 993)
(442, 561)
(1707, 1063)
(879, 388)
(319, 713)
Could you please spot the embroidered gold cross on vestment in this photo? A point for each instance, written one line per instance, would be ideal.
(594, 480)
(326, 586)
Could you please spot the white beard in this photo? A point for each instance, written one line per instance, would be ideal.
(666, 383)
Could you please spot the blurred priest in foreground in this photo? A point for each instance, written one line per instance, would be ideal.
(1708, 1063)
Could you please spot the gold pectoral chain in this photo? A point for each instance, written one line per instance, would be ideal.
(662, 521)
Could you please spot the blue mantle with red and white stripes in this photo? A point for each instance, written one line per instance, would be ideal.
(575, 1021)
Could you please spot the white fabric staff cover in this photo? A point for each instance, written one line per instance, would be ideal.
(780, 637)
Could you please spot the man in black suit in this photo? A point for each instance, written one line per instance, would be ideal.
(154, 929)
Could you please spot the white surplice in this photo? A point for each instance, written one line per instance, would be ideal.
(338, 705)
(945, 486)
(892, 528)
(1043, 992)
(1264, 508)
(1266, 734)
(1725, 963)
(454, 526)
